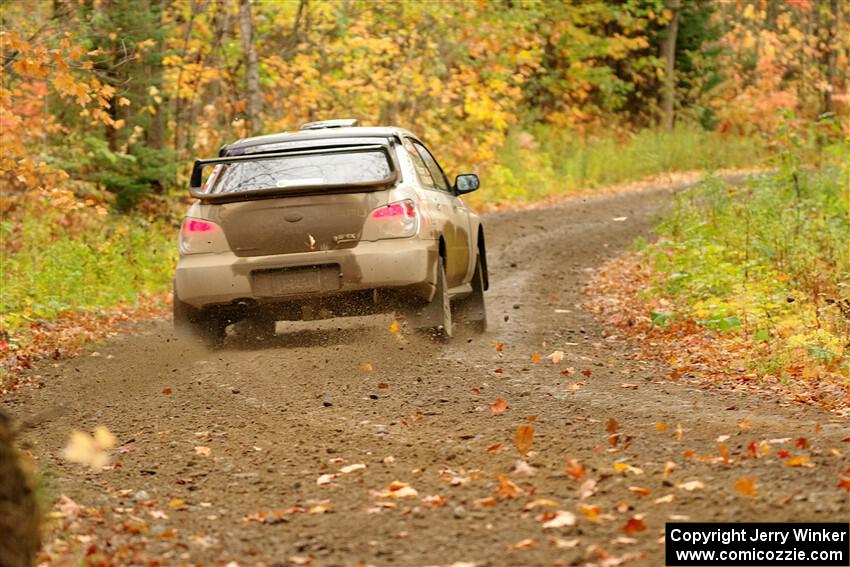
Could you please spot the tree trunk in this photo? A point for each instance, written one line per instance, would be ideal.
(668, 55)
(832, 48)
(252, 69)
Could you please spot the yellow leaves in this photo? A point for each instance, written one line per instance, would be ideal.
(92, 450)
(591, 512)
(623, 468)
(640, 491)
(523, 438)
(801, 461)
(177, 503)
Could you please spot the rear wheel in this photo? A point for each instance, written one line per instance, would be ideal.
(435, 317)
(472, 310)
(209, 330)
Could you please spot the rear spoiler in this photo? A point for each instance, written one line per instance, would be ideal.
(196, 180)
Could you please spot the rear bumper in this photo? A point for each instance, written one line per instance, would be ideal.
(203, 280)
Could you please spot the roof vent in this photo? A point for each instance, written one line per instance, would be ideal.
(340, 123)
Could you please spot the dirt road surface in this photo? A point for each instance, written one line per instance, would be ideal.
(209, 440)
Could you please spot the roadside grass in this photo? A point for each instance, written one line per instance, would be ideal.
(749, 283)
(54, 263)
(542, 162)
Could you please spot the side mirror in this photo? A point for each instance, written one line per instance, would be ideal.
(466, 183)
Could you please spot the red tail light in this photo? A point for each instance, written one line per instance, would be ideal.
(201, 237)
(396, 220)
(191, 226)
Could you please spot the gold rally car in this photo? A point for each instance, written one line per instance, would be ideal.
(331, 220)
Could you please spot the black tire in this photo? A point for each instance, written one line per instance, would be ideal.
(472, 310)
(435, 317)
(208, 330)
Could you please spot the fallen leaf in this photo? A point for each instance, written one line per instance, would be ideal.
(587, 373)
(203, 451)
(507, 488)
(524, 544)
(746, 486)
(325, 479)
(535, 358)
(640, 491)
(399, 490)
(176, 503)
(591, 512)
(625, 467)
(724, 453)
(488, 502)
(634, 525)
(494, 447)
(587, 489)
(556, 356)
(394, 328)
(612, 425)
(523, 438)
(800, 461)
(383, 386)
(166, 391)
(522, 467)
(844, 483)
(679, 432)
(562, 519)
(664, 499)
(435, 501)
(564, 543)
(499, 406)
(668, 468)
(351, 468)
(499, 347)
(476, 391)
(745, 424)
(539, 502)
(802, 443)
(366, 367)
(574, 468)
(689, 454)
(629, 386)
(661, 426)
(691, 485)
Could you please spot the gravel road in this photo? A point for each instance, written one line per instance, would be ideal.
(210, 439)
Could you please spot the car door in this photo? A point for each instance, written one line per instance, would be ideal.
(457, 214)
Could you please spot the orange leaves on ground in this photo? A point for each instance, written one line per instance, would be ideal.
(494, 447)
(661, 426)
(488, 502)
(499, 347)
(399, 490)
(560, 519)
(724, 453)
(523, 438)
(591, 512)
(623, 468)
(366, 368)
(574, 468)
(166, 391)
(751, 449)
(535, 358)
(640, 491)
(746, 486)
(499, 406)
(844, 483)
(507, 488)
(745, 424)
(394, 328)
(801, 461)
(433, 501)
(587, 373)
(634, 525)
(802, 443)
(612, 425)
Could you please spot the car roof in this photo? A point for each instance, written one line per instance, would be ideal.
(245, 144)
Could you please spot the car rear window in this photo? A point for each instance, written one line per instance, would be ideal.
(299, 170)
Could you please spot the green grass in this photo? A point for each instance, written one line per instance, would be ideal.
(769, 259)
(543, 162)
(96, 264)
